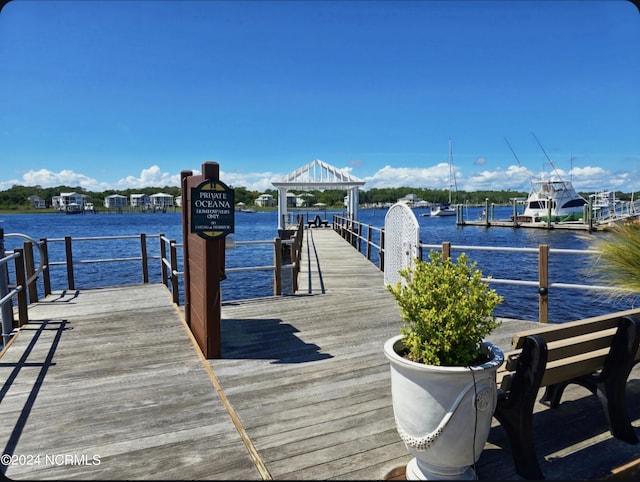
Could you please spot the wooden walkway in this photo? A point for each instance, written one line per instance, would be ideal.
(301, 391)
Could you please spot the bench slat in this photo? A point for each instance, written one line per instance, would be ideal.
(573, 328)
(580, 344)
(573, 367)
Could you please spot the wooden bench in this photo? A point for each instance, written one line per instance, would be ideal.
(597, 353)
(317, 222)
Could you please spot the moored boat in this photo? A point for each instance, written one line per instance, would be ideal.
(553, 198)
(445, 209)
(73, 208)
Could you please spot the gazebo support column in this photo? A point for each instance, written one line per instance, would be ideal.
(282, 208)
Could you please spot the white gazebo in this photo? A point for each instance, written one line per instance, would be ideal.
(317, 175)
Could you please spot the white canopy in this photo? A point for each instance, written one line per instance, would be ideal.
(320, 176)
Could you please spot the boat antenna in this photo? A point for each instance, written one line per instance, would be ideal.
(571, 168)
(519, 163)
(550, 161)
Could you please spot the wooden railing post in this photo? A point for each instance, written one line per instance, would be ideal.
(369, 231)
(163, 257)
(543, 283)
(30, 269)
(175, 292)
(381, 254)
(21, 280)
(446, 250)
(277, 277)
(143, 255)
(46, 274)
(69, 255)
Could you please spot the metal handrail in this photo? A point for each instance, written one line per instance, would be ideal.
(351, 231)
(231, 244)
(41, 254)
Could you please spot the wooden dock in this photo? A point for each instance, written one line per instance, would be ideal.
(112, 380)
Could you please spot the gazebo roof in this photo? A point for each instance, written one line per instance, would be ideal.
(318, 175)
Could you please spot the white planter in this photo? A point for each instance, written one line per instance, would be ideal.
(443, 414)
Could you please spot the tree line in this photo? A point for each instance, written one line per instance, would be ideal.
(17, 197)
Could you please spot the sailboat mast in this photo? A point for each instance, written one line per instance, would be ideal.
(452, 177)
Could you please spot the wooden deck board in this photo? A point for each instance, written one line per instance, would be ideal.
(125, 384)
(304, 375)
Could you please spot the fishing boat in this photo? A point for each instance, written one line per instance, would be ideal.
(554, 200)
(445, 209)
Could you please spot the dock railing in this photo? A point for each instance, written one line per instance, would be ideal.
(21, 279)
(25, 278)
(368, 239)
(283, 249)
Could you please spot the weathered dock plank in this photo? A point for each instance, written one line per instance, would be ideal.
(112, 375)
(329, 415)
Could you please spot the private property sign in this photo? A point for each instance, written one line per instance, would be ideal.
(212, 214)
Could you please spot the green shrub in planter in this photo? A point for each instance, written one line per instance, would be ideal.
(447, 310)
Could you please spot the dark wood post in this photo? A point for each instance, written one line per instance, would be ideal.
(543, 278)
(163, 257)
(277, 275)
(204, 267)
(446, 250)
(69, 252)
(381, 253)
(46, 275)
(174, 267)
(29, 269)
(143, 253)
(184, 176)
(21, 280)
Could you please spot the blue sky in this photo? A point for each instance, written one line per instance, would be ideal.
(124, 94)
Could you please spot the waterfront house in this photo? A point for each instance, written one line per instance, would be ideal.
(161, 201)
(140, 201)
(115, 201)
(304, 199)
(265, 200)
(292, 200)
(61, 202)
(37, 202)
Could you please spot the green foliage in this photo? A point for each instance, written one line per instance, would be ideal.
(384, 195)
(447, 310)
(619, 263)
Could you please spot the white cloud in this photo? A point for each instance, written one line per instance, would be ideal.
(152, 176)
(435, 177)
(514, 178)
(586, 179)
(253, 181)
(46, 178)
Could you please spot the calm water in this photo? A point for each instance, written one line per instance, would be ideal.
(520, 301)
